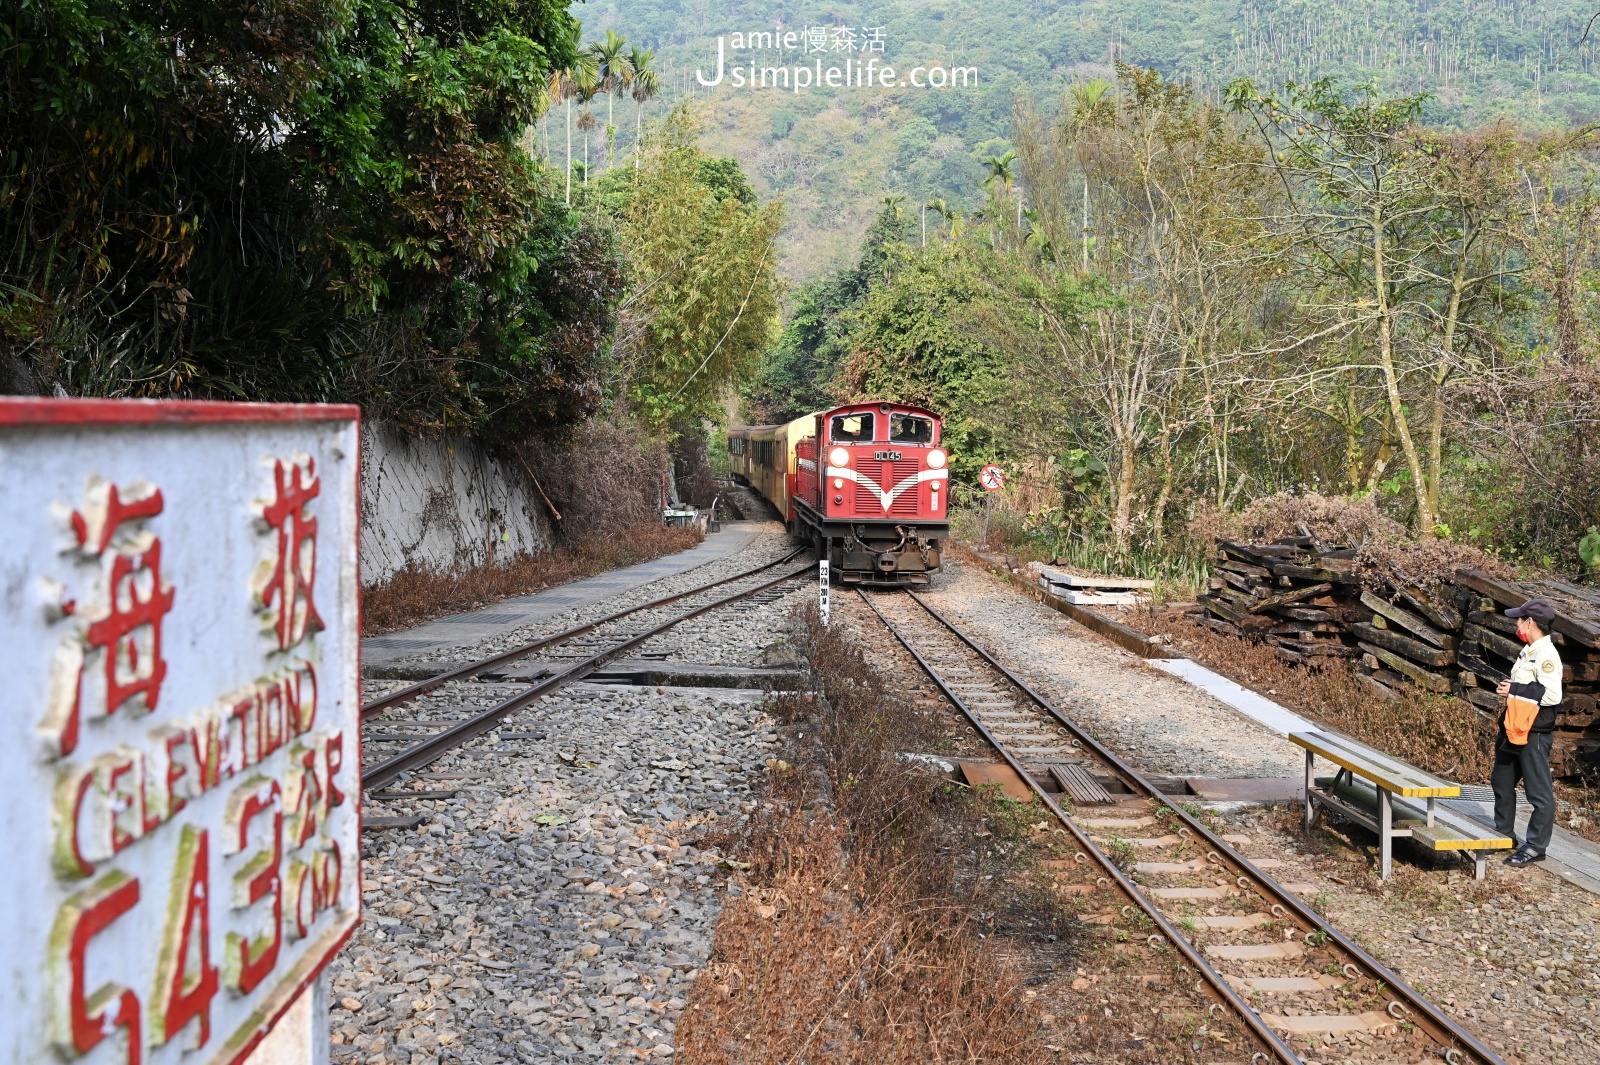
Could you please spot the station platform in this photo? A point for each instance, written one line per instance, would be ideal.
(510, 614)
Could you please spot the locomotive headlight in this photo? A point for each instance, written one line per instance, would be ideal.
(936, 459)
(838, 482)
(839, 457)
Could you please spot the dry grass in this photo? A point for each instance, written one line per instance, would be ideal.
(1388, 554)
(1442, 735)
(857, 937)
(414, 595)
(890, 916)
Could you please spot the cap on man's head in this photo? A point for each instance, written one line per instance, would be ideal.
(1541, 610)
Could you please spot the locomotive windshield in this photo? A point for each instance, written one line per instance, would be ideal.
(852, 428)
(910, 429)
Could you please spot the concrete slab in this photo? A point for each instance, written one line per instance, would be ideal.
(531, 609)
(1257, 708)
(1332, 1023)
(1256, 952)
(1247, 789)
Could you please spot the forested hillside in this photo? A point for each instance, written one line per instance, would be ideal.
(833, 154)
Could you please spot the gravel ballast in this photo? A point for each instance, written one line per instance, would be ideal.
(557, 905)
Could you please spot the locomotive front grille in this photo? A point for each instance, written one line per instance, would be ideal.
(867, 504)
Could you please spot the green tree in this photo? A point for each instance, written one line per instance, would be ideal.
(645, 84)
(921, 336)
(614, 74)
(1408, 233)
(702, 302)
(328, 203)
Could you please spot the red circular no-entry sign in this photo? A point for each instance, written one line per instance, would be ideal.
(992, 477)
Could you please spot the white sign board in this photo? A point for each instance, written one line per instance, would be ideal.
(992, 477)
(180, 752)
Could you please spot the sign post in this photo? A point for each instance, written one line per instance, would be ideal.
(180, 759)
(993, 478)
(823, 603)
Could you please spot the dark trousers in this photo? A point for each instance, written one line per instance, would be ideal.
(1530, 764)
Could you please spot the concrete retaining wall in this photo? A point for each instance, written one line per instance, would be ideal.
(444, 505)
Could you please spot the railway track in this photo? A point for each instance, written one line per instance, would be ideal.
(581, 651)
(1269, 958)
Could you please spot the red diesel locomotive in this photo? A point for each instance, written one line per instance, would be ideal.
(866, 482)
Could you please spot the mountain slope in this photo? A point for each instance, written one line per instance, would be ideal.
(834, 153)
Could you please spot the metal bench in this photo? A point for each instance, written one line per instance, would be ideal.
(1375, 800)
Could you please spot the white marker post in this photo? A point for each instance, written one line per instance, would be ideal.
(822, 590)
(180, 757)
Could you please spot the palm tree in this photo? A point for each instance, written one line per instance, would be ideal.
(646, 83)
(563, 87)
(938, 207)
(611, 67)
(1002, 168)
(586, 86)
(1092, 104)
(892, 202)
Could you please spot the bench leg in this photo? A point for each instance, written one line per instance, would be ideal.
(1385, 840)
(1311, 810)
(1480, 865)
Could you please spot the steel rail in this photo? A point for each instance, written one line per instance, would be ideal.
(471, 669)
(1439, 1026)
(441, 743)
(1219, 986)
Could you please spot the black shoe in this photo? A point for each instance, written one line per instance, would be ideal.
(1524, 855)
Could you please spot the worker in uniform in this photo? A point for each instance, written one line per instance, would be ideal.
(1527, 727)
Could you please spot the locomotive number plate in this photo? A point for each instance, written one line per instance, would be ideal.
(888, 456)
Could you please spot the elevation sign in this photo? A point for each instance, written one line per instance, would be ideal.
(179, 754)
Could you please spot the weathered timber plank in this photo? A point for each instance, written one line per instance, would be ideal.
(1301, 613)
(1376, 687)
(1415, 650)
(1492, 641)
(1508, 594)
(1476, 665)
(1440, 614)
(1255, 553)
(1405, 667)
(1236, 580)
(1222, 610)
(1407, 620)
(1313, 573)
(1486, 700)
(1292, 597)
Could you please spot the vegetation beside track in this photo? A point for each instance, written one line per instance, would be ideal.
(884, 913)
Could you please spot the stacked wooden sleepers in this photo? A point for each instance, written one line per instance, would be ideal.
(1312, 601)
